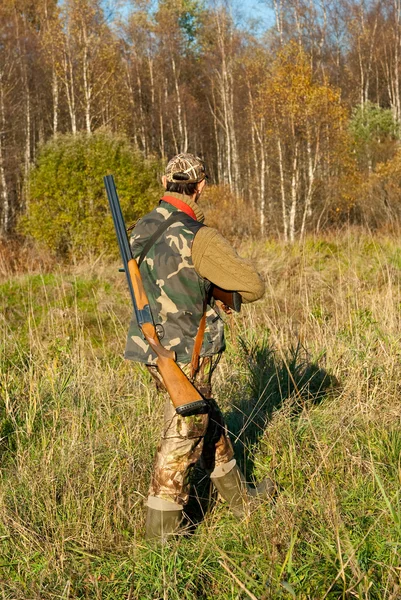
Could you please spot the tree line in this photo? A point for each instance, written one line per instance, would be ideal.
(300, 122)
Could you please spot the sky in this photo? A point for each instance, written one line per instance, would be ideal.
(257, 11)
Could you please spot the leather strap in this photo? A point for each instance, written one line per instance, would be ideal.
(174, 218)
(198, 344)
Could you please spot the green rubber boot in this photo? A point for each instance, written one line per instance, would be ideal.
(233, 488)
(162, 520)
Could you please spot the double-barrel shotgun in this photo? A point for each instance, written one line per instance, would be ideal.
(185, 397)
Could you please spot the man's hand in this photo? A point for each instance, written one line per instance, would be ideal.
(223, 307)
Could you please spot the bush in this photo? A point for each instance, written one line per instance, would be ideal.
(380, 202)
(67, 208)
(375, 133)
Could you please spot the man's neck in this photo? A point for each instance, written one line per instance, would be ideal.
(191, 203)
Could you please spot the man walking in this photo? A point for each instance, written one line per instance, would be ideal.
(179, 259)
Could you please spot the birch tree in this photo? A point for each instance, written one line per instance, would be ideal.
(390, 54)
(305, 123)
(223, 67)
(89, 61)
(4, 192)
(177, 22)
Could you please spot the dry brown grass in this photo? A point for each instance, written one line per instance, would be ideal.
(310, 388)
(18, 256)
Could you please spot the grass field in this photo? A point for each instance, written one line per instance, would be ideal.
(310, 386)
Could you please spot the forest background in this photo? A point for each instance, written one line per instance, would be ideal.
(298, 118)
(301, 121)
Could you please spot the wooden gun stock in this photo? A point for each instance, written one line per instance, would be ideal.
(184, 396)
(231, 299)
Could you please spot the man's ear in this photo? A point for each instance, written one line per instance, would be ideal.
(201, 185)
(164, 181)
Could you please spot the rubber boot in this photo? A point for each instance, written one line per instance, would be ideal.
(233, 488)
(162, 520)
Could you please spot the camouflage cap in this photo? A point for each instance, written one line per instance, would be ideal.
(186, 168)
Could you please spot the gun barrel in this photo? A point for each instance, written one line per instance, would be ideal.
(119, 225)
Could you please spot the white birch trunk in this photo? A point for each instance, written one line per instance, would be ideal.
(27, 102)
(28, 127)
(153, 106)
(226, 89)
(50, 35)
(312, 165)
(261, 166)
(55, 94)
(174, 137)
(141, 111)
(5, 205)
(254, 136)
(161, 126)
(294, 193)
(279, 19)
(183, 134)
(87, 84)
(233, 138)
(227, 167)
(131, 96)
(262, 195)
(69, 86)
(216, 130)
(282, 189)
(396, 98)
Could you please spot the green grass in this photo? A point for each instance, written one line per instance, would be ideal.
(310, 389)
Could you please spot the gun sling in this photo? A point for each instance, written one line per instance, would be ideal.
(174, 218)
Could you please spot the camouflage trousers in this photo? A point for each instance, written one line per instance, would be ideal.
(185, 440)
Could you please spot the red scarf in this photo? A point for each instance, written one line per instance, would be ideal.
(180, 205)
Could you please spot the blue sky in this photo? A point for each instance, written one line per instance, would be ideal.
(255, 10)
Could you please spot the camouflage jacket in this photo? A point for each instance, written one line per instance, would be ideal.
(176, 293)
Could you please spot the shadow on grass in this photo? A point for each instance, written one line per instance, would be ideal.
(273, 379)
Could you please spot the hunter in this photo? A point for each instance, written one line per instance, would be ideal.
(179, 259)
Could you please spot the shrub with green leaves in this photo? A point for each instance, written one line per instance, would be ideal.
(375, 133)
(67, 207)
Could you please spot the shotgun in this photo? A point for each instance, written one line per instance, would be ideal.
(185, 397)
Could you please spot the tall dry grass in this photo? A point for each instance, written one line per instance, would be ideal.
(310, 389)
(18, 256)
